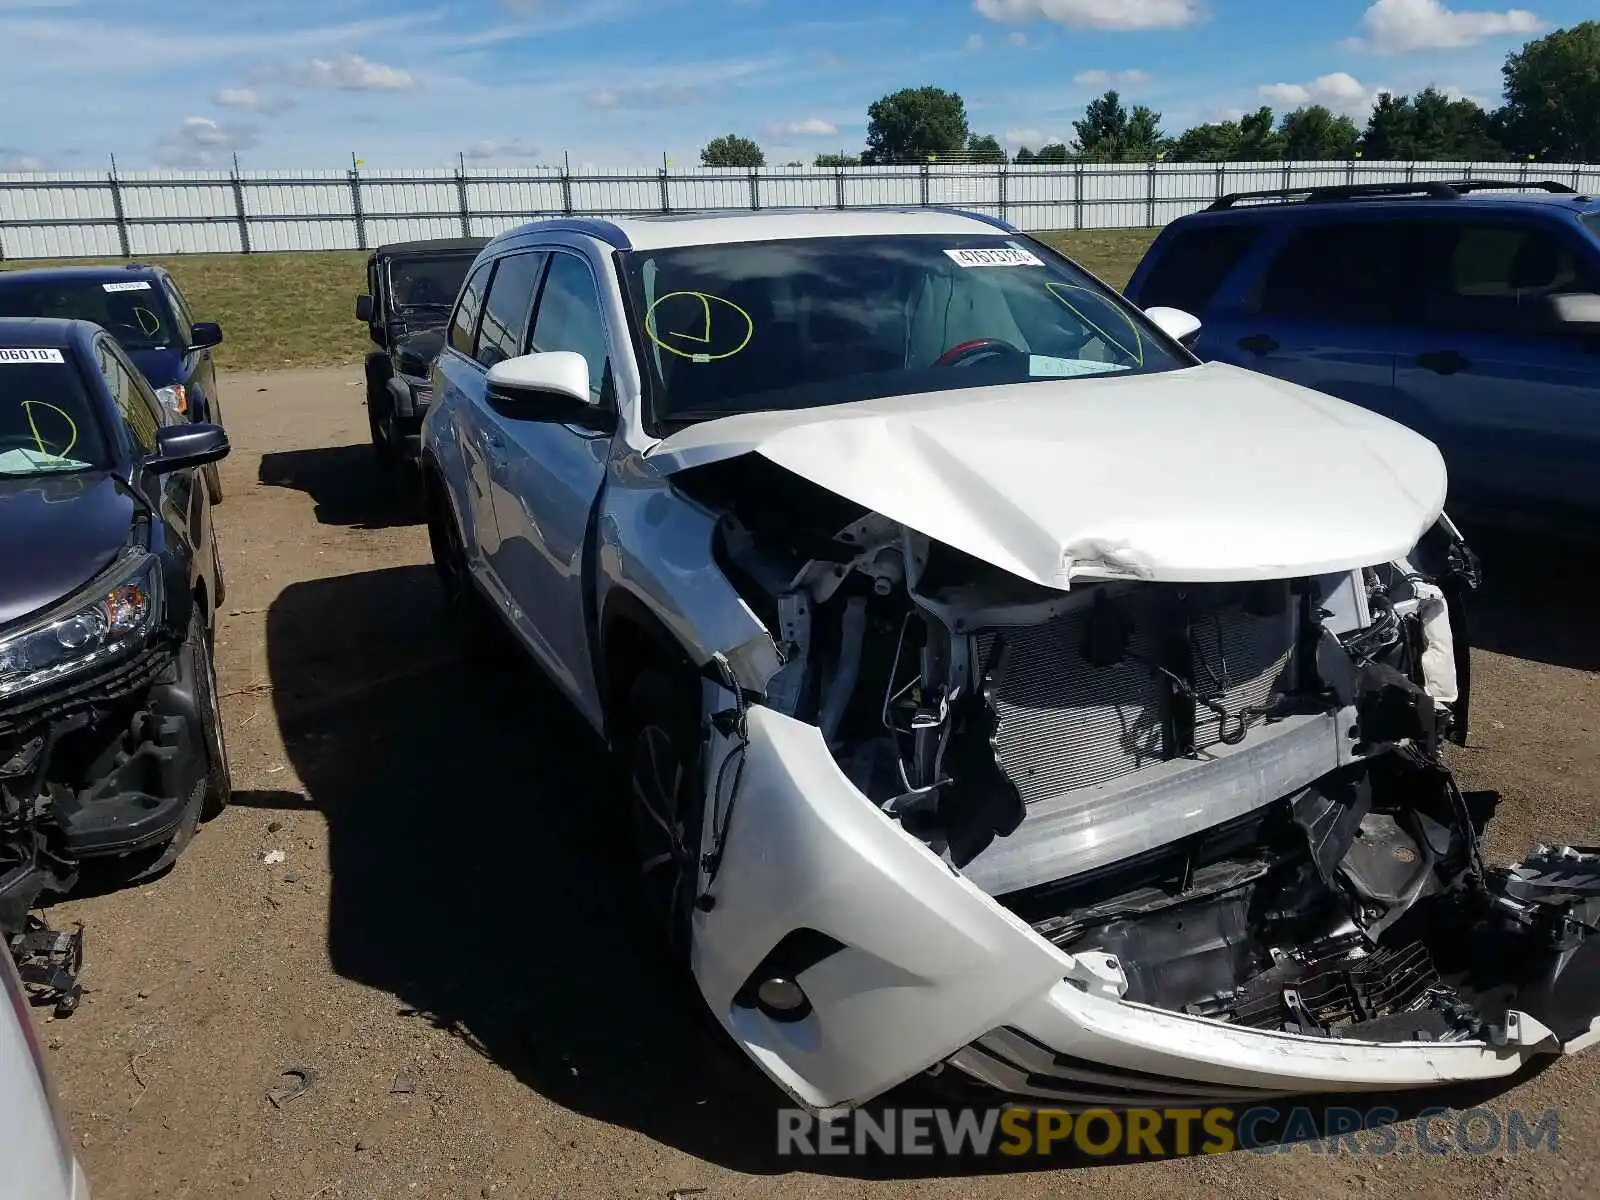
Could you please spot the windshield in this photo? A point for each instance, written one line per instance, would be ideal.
(131, 310)
(46, 422)
(428, 283)
(799, 324)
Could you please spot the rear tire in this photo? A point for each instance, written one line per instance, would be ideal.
(213, 478)
(466, 609)
(661, 741)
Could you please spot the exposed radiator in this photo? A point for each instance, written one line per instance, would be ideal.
(1066, 723)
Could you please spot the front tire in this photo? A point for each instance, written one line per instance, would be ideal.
(465, 608)
(666, 802)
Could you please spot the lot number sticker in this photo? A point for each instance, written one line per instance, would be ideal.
(1003, 257)
(10, 354)
(137, 285)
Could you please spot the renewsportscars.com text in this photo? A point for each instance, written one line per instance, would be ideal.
(1166, 1132)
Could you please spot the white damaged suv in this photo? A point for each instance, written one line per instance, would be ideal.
(1006, 692)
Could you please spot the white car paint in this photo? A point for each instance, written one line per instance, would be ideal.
(1207, 474)
(36, 1159)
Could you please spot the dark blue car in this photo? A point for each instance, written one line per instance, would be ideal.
(143, 308)
(1467, 311)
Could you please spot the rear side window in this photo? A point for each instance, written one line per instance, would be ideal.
(1193, 265)
(505, 316)
(464, 325)
(1592, 222)
(1489, 276)
(1351, 272)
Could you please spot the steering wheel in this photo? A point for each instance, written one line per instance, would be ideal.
(978, 349)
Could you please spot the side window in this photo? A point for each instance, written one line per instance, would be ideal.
(140, 413)
(180, 312)
(1194, 264)
(505, 314)
(1497, 277)
(464, 324)
(1347, 273)
(569, 318)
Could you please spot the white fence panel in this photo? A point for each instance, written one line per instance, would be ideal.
(175, 212)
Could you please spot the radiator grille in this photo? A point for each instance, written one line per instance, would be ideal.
(1066, 723)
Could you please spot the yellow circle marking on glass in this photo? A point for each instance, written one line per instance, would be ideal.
(703, 339)
(148, 321)
(1137, 353)
(38, 438)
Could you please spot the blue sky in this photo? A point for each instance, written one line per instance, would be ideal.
(616, 83)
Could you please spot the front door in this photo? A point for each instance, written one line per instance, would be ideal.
(461, 386)
(1511, 398)
(548, 477)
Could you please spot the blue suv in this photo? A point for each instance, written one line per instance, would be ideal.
(1469, 312)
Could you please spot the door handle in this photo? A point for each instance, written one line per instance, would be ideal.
(1444, 362)
(1258, 343)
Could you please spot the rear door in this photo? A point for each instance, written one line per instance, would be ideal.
(1511, 398)
(550, 475)
(1318, 309)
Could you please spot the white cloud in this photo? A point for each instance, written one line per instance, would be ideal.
(1031, 137)
(1018, 38)
(351, 73)
(1338, 91)
(201, 142)
(251, 98)
(1096, 77)
(1096, 14)
(659, 95)
(974, 41)
(509, 147)
(17, 161)
(782, 131)
(1403, 26)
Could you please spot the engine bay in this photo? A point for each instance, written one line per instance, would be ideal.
(1231, 793)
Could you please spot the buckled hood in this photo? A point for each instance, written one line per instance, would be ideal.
(1211, 473)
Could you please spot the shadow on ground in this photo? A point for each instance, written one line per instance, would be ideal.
(480, 876)
(345, 485)
(1537, 597)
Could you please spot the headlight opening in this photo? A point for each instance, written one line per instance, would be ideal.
(113, 615)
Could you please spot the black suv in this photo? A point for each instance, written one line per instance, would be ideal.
(111, 741)
(411, 288)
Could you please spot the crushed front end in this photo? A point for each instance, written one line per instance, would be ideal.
(101, 751)
(1127, 842)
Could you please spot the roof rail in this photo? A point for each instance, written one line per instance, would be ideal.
(1431, 189)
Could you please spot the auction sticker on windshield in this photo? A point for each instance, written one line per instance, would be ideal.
(1004, 256)
(135, 285)
(16, 354)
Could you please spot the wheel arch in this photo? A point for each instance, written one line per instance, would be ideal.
(634, 639)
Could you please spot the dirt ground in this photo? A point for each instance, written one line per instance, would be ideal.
(449, 945)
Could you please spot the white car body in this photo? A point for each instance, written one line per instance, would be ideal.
(891, 924)
(36, 1158)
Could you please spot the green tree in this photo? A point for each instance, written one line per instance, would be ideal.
(1024, 155)
(985, 148)
(731, 150)
(1314, 132)
(1430, 127)
(1055, 152)
(1216, 142)
(1259, 139)
(914, 125)
(838, 160)
(1552, 87)
(1110, 131)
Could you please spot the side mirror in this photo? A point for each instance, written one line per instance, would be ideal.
(553, 387)
(203, 334)
(1576, 311)
(1178, 325)
(364, 309)
(182, 446)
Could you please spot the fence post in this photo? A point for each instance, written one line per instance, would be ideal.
(463, 206)
(666, 203)
(1150, 195)
(239, 213)
(355, 204)
(1222, 180)
(838, 188)
(1077, 195)
(1350, 173)
(117, 210)
(924, 190)
(1002, 191)
(1288, 175)
(566, 191)
(755, 189)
